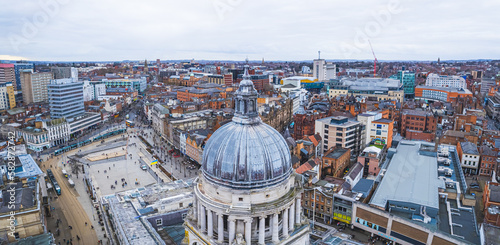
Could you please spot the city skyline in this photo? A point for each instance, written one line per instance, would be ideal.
(67, 30)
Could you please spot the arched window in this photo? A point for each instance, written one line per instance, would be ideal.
(245, 110)
(252, 109)
(237, 105)
(242, 106)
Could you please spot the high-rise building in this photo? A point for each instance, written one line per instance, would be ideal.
(408, 80)
(34, 86)
(7, 73)
(248, 192)
(7, 96)
(436, 80)
(319, 69)
(18, 67)
(341, 132)
(66, 98)
(65, 72)
(330, 71)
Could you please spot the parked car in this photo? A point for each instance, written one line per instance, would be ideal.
(144, 167)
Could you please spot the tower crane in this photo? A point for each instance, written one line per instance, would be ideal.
(374, 61)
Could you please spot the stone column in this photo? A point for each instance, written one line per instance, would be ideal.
(298, 206)
(210, 223)
(285, 223)
(199, 215)
(248, 231)
(262, 230)
(220, 229)
(276, 238)
(292, 217)
(203, 217)
(195, 207)
(232, 228)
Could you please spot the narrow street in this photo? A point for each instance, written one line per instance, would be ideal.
(69, 210)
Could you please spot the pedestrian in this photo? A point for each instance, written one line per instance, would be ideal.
(92, 227)
(86, 224)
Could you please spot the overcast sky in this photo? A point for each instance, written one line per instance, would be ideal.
(71, 30)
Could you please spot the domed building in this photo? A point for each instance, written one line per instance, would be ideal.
(247, 191)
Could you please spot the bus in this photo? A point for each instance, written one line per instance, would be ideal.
(130, 124)
(53, 180)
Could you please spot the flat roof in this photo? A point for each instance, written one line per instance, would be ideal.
(410, 177)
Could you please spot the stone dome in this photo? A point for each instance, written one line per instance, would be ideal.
(246, 153)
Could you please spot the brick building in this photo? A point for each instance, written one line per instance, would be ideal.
(334, 162)
(488, 161)
(418, 125)
(491, 203)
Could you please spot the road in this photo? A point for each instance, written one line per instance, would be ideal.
(69, 210)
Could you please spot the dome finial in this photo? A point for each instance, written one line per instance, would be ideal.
(246, 76)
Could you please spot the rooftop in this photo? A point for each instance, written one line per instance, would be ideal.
(336, 153)
(410, 177)
(469, 148)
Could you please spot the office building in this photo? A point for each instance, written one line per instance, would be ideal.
(66, 98)
(7, 96)
(493, 106)
(18, 67)
(381, 129)
(330, 71)
(378, 89)
(443, 94)
(319, 69)
(418, 125)
(138, 84)
(34, 86)
(240, 203)
(64, 72)
(341, 132)
(366, 119)
(408, 80)
(435, 80)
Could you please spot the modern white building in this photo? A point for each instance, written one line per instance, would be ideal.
(88, 91)
(66, 98)
(366, 119)
(319, 69)
(58, 131)
(247, 192)
(436, 80)
(331, 71)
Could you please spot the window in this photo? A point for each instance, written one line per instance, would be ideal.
(412, 209)
(306, 202)
(305, 194)
(379, 126)
(241, 199)
(328, 210)
(322, 199)
(159, 222)
(181, 204)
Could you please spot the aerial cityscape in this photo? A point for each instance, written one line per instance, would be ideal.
(232, 122)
